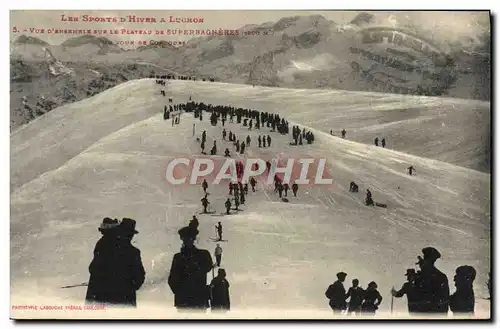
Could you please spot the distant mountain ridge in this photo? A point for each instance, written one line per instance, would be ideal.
(297, 52)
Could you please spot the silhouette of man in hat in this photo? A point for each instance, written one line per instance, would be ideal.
(117, 273)
(337, 295)
(462, 301)
(188, 274)
(432, 284)
(102, 250)
(410, 290)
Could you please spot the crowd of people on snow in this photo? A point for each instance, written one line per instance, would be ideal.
(117, 272)
(160, 79)
(426, 290)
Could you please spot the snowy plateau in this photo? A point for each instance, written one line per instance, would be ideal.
(106, 156)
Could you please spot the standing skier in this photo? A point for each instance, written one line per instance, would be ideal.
(295, 188)
(286, 187)
(219, 230)
(253, 182)
(228, 205)
(205, 203)
(205, 186)
(218, 254)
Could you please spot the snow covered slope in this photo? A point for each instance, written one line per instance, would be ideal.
(447, 129)
(107, 155)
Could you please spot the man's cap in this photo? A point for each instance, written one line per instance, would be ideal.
(431, 253)
(188, 232)
(341, 275)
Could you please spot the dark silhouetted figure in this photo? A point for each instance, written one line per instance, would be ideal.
(376, 141)
(204, 136)
(253, 182)
(236, 201)
(280, 190)
(218, 254)
(227, 154)
(188, 274)
(220, 292)
(204, 185)
(369, 200)
(194, 223)
(248, 140)
(286, 187)
(219, 230)
(372, 299)
(295, 188)
(205, 203)
(268, 141)
(260, 141)
(353, 187)
(462, 301)
(343, 133)
(356, 293)
(488, 284)
(116, 272)
(410, 170)
(336, 294)
(228, 203)
(410, 290)
(224, 134)
(103, 249)
(432, 284)
(383, 142)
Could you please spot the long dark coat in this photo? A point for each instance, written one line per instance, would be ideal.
(116, 273)
(337, 296)
(462, 301)
(433, 290)
(220, 294)
(188, 278)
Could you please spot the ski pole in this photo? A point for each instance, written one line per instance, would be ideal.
(392, 300)
(84, 284)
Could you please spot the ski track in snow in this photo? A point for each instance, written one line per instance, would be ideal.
(110, 159)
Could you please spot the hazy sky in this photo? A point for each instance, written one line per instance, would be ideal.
(445, 25)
